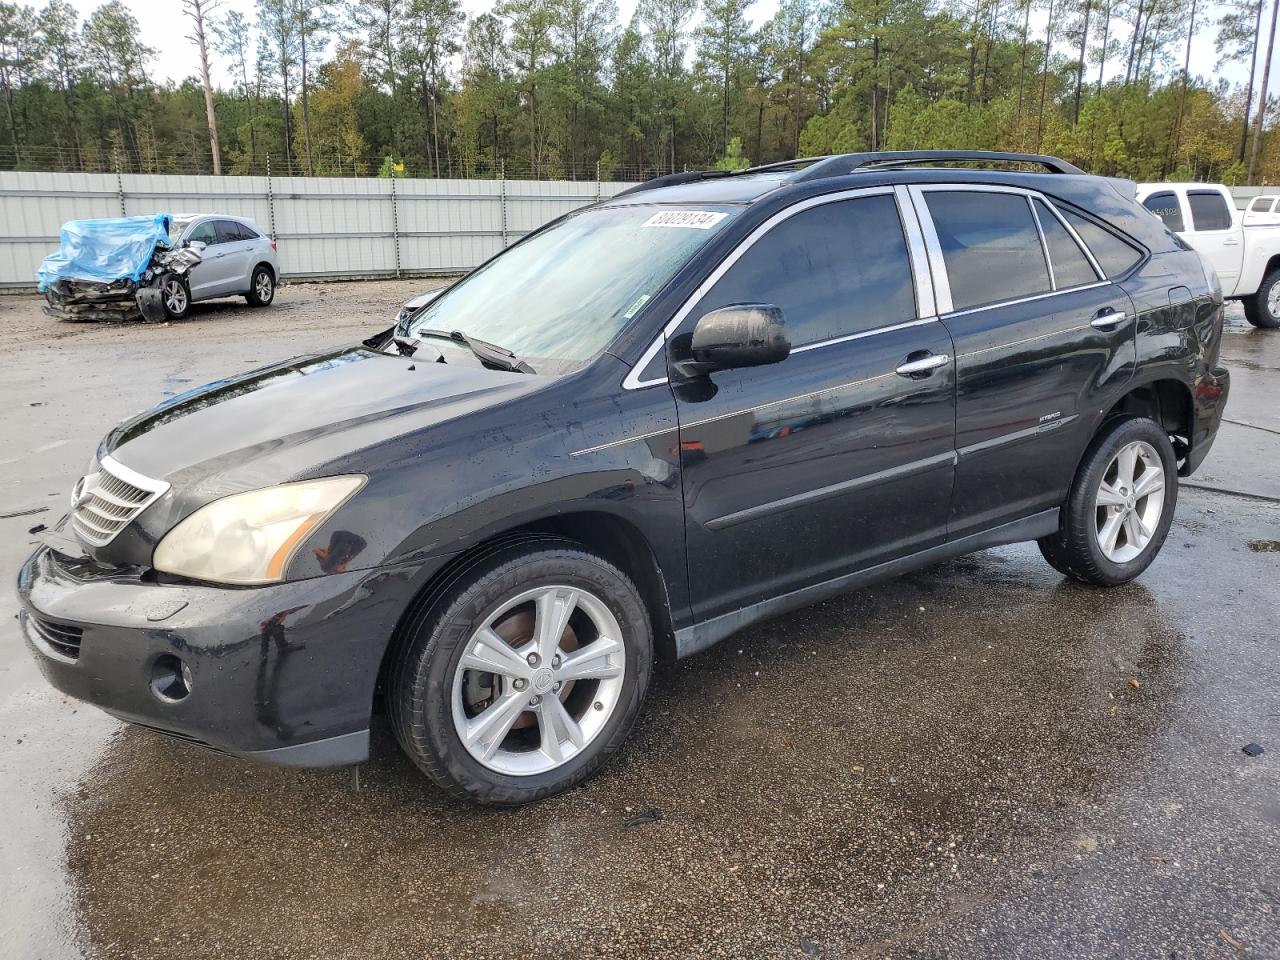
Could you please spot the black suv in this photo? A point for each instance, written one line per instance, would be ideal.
(705, 401)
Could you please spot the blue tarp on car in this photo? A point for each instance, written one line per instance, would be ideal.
(119, 248)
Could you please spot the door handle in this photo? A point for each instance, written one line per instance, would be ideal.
(924, 366)
(1109, 321)
(1231, 242)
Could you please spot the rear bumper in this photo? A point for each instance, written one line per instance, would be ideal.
(1209, 395)
(284, 673)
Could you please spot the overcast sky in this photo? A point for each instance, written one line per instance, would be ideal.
(165, 29)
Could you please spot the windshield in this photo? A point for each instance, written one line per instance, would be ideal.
(176, 226)
(557, 299)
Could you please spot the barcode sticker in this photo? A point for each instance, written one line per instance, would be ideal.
(689, 219)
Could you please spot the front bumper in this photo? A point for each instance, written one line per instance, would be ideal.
(1209, 395)
(284, 673)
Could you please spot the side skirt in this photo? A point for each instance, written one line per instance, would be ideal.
(699, 636)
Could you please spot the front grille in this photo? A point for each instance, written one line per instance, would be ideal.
(61, 638)
(109, 500)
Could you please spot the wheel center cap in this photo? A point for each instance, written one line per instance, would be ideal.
(542, 680)
(1130, 502)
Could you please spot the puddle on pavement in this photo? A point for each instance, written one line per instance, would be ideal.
(883, 752)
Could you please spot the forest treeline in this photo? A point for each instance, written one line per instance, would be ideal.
(562, 88)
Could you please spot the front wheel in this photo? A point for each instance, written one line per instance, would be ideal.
(1120, 506)
(526, 677)
(1263, 308)
(176, 297)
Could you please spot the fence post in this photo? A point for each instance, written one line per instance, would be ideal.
(597, 181)
(395, 224)
(120, 183)
(502, 172)
(271, 201)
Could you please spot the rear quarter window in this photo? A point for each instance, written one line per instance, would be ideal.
(1115, 255)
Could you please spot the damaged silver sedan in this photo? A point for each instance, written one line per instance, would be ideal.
(155, 267)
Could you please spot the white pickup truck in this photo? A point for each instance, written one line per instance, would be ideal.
(1247, 259)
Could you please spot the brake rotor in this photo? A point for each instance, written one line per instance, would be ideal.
(516, 628)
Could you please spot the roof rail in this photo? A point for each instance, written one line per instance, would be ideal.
(835, 165)
(849, 162)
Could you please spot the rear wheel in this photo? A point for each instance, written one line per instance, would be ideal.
(1263, 308)
(526, 677)
(1120, 506)
(262, 288)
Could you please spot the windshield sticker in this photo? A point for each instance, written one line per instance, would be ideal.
(690, 219)
(635, 307)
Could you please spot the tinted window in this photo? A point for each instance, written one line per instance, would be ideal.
(229, 231)
(1070, 266)
(1165, 206)
(1209, 210)
(1114, 255)
(1261, 205)
(204, 233)
(990, 245)
(836, 269)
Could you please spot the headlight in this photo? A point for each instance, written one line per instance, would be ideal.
(250, 537)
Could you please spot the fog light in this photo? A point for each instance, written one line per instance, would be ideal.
(170, 678)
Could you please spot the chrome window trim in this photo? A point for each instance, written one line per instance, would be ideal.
(1044, 244)
(876, 331)
(1093, 261)
(924, 288)
(926, 304)
(1028, 299)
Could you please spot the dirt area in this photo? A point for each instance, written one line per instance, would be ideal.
(313, 313)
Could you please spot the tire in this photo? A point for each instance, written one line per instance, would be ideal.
(433, 698)
(176, 296)
(1077, 550)
(262, 287)
(1263, 308)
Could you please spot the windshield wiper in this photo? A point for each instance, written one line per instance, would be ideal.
(490, 354)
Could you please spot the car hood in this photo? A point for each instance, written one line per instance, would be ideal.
(282, 421)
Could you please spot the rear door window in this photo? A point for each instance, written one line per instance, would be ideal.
(1209, 210)
(1071, 267)
(1114, 255)
(229, 231)
(990, 246)
(836, 269)
(1165, 206)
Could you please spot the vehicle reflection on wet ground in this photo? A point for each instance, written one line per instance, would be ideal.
(979, 759)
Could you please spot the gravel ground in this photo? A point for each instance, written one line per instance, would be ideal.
(976, 760)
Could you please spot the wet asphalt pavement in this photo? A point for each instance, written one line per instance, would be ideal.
(980, 759)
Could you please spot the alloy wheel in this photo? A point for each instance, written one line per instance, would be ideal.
(262, 286)
(539, 680)
(175, 296)
(1129, 502)
(1273, 300)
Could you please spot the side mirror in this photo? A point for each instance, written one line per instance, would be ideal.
(196, 245)
(739, 335)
